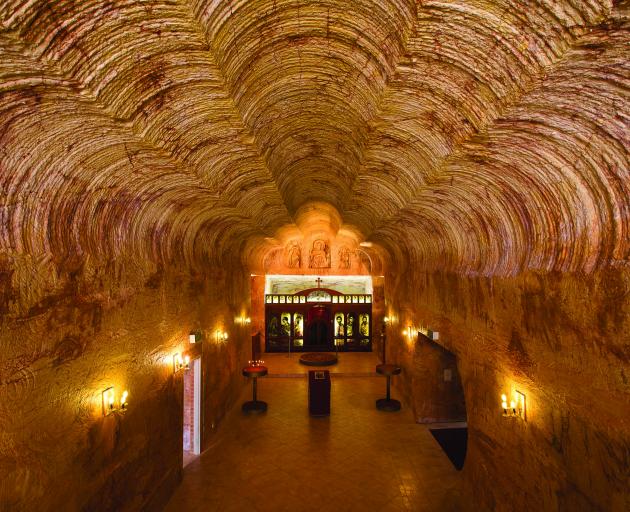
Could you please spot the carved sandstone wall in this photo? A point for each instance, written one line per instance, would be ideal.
(70, 329)
(563, 340)
(481, 146)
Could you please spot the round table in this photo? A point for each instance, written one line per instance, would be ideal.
(254, 405)
(388, 404)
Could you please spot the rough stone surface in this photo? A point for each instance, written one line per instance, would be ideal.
(74, 332)
(564, 341)
(152, 150)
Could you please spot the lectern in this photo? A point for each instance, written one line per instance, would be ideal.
(319, 392)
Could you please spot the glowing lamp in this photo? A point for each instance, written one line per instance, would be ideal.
(516, 406)
(110, 405)
(123, 400)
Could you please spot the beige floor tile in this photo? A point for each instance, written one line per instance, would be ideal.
(358, 459)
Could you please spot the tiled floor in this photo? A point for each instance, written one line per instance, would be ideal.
(358, 459)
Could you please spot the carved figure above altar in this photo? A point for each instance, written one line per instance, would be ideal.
(344, 257)
(320, 255)
(294, 255)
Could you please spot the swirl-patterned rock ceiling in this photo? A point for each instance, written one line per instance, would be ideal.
(482, 136)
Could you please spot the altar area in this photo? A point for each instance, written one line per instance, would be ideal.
(355, 364)
(335, 315)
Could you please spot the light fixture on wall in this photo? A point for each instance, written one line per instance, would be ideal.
(221, 336)
(516, 405)
(123, 400)
(243, 320)
(110, 404)
(181, 363)
(408, 332)
(432, 335)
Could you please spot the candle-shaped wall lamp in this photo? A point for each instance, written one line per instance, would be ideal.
(181, 363)
(123, 400)
(108, 401)
(516, 405)
(110, 404)
(520, 404)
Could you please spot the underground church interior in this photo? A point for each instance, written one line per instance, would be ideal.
(314, 255)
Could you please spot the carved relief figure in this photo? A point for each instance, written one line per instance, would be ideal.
(294, 252)
(320, 255)
(344, 257)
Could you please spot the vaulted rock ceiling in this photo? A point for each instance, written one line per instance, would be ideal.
(483, 136)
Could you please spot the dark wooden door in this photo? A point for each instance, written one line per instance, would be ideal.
(317, 334)
(317, 327)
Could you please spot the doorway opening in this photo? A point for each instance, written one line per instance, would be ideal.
(192, 412)
(440, 399)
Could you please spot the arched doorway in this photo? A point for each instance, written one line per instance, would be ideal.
(439, 398)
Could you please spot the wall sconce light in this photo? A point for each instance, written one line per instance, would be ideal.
(432, 335)
(386, 320)
(516, 406)
(109, 401)
(221, 336)
(243, 320)
(123, 400)
(408, 332)
(180, 363)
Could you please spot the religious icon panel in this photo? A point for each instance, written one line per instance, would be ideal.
(318, 319)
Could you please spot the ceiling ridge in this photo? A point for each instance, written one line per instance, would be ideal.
(381, 98)
(199, 28)
(534, 81)
(209, 210)
(83, 91)
(345, 94)
(577, 141)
